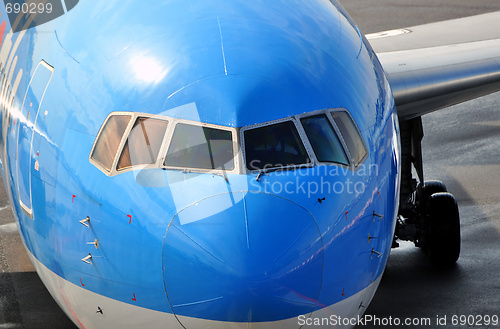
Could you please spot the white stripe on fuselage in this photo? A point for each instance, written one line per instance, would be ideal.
(82, 305)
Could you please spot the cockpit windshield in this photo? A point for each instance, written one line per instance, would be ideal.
(109, 140)
(352, 137)
(274, 145)
(200, 147)
(324, 140)
(143, 143)
(129, 141)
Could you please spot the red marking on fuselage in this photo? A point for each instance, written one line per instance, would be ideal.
(2, 32)
(73, 199)
(134, 299)
(343, 292)
(82, 282)
(346, 215)
(130, 217)
(61, 293)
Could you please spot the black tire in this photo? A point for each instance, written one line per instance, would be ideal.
(442, 230)
(427, 189)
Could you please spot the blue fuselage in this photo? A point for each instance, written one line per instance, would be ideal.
(193, 244)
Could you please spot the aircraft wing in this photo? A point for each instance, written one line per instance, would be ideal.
(437, 65)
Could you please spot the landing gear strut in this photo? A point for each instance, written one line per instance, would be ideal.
(428, 214)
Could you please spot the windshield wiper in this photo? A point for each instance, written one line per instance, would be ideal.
(263, 172)
(223, 175)
(267, 171)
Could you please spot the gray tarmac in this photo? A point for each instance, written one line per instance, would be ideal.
(461, 148)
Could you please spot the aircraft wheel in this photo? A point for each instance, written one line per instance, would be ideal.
(427, 189)
(442, 229)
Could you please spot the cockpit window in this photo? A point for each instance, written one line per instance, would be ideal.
(324, 140)
(127, 140)
(275, 145)
(109, 140)
(143, 143)
(200, 147)
(351, 135)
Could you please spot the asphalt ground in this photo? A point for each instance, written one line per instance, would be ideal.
(461, 148)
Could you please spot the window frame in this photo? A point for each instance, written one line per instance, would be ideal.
(328, 113)
(360, 135)
(96, 163)
(127, 133)
(337, 133)
(170, 134)
(238, 142)
(134, 116)
(302, 136)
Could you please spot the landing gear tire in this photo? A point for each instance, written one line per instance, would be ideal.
(427, 189)
(442, 229)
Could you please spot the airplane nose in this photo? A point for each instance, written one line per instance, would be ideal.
(242, 257)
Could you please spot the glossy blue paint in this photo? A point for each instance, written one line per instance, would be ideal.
(248, 262)
(196, 245)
